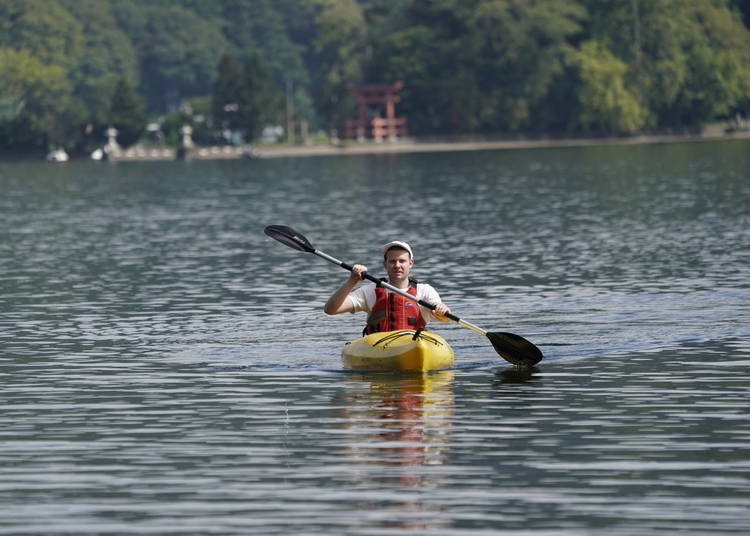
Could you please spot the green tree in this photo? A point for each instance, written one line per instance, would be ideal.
(467, 65)
(440, 85)
(420, 43)
(483, 65)
(107, 55)
(44, 28)
(605, 104)
(260, 26)
(53, 39)
(127, 114)
(259, 101)
(227, 94)
(718, 56)
(521, 49)
(340, 49)
(35, 103)
(263, 27)
(179, 53)
(689, 58)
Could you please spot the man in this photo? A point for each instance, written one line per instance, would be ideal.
(387, 310)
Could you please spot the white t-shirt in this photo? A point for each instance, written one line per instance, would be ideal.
(363, 298)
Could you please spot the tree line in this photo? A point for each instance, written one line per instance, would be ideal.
(71, 68)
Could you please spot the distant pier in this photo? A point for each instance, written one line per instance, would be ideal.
(167, 153)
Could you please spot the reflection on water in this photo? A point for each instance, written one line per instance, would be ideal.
(166, 367)
(397, 426)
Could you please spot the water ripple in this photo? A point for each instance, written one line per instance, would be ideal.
(166, 367)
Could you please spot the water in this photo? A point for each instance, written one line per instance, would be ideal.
(166, 368)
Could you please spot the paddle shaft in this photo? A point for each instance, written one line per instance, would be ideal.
(397, 290)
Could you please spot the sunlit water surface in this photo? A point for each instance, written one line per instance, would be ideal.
(166, 368)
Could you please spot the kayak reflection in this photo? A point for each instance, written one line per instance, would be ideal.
(399, 425)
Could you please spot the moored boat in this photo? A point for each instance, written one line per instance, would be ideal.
(405, 350)
(58, 155)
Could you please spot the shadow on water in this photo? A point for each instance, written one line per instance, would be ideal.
(515, 375)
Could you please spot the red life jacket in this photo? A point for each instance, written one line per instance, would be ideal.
(392, 311)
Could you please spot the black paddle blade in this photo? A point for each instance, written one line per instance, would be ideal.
(515, 349)
(290, 237)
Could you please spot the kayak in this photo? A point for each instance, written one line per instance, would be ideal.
(398, 350)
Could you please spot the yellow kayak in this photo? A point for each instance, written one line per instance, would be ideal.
(398, 350)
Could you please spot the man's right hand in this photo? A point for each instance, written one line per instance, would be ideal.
(358, 273)
(339, 301)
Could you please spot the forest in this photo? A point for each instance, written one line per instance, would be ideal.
(71, 68)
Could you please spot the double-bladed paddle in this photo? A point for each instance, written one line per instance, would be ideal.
(512, 348)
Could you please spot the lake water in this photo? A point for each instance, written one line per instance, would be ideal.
(166, 368)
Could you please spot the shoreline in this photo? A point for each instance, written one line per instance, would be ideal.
(405, 145)
(422, 146)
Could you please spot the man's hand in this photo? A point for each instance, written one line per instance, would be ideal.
(440, 311)
(358, 273)
(339, 301)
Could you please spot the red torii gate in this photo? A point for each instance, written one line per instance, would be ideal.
(376, 127)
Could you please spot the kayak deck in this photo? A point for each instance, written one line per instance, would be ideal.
(405, 350)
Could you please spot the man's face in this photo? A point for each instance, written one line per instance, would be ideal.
(398, 264)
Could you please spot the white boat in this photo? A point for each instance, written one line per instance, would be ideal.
(58, 155)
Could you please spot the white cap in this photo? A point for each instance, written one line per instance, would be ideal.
(397, 244)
